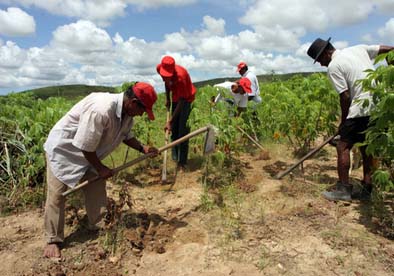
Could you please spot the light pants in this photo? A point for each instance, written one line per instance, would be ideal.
(95, 204)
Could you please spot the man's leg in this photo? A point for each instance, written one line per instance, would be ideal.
(175, 135)
(184, 129)
(343, 161)
(95, 198)
(343, 190)
(54, 215)
(367, 170)
(368, 160)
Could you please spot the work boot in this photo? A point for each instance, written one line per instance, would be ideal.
(342, 192)
(364, 194)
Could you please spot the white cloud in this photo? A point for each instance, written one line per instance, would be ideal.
(280, 24)
(45, 64)
(16, 22)
(385, 6)
(82, 37)
(302, 50)
(11, 56)
(102, 12)
(33, 67)
(159, 3)
(98, 11)
(367, 38)
(138, 55)
(217, 48)
(206, 53)
(274, 40)
(313, 15)
(269, 39)
(286, 64)
(285, 13)
(340, 44)
(387, 32)
(175, 42)
(214, 26)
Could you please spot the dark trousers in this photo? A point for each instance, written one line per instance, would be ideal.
(179, 129)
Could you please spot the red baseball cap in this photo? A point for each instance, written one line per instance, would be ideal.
(241, 65)
(147, 95)
(245, 84)
(167, 66)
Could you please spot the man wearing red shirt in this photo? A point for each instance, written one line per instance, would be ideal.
(177, 80)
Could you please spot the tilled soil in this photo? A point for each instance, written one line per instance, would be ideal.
(262, 226)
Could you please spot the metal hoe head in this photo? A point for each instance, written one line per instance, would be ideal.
(210, 139)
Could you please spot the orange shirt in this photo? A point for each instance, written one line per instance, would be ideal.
(181, 85)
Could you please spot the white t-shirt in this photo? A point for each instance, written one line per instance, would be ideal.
(254, 86)
(346, 68)
(94, 124)
(240, 100)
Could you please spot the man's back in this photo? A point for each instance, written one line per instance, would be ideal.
(254, 83)
(347, 68)
(93, 124)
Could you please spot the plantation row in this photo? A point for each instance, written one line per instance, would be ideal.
(296, 112)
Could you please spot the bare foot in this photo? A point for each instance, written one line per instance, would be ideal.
(52, 251)
(182, 168)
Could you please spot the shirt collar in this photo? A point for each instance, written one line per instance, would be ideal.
(119, 105)
(336, 52)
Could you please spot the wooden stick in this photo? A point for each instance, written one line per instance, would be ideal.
(250, 138)
(309, 154)
(141, 158)
(164, 169)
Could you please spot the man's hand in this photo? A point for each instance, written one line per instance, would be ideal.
(102, 170)
(105, 172)
(149, 149)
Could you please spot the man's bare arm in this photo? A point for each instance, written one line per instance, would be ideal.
(345, 105)
(384, 49)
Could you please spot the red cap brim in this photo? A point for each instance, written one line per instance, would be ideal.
(164, 73)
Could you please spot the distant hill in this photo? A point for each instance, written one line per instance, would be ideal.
(77, 90)
(68, 91)
(261, 78)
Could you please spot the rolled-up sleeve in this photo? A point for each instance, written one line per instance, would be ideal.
(337, 79)
(372, 50)
(129, 135)
(90, 130)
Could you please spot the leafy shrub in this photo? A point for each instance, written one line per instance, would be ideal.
(24, 125)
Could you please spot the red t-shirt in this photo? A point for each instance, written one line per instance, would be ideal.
(181, 85)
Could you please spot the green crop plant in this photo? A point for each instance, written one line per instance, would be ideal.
(221, 167)
(25, 122)
(297, 111)
(380, 135)
(300, 110)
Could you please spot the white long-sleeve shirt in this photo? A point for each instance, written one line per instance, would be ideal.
(254, 83)
(94, 124)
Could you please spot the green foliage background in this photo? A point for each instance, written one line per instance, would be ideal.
(296, 111)
(380, 135)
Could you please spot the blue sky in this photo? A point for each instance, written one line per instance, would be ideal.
(101, 42)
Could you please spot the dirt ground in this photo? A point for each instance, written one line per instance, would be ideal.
(264, 227)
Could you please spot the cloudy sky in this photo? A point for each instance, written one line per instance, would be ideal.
(108, 42)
